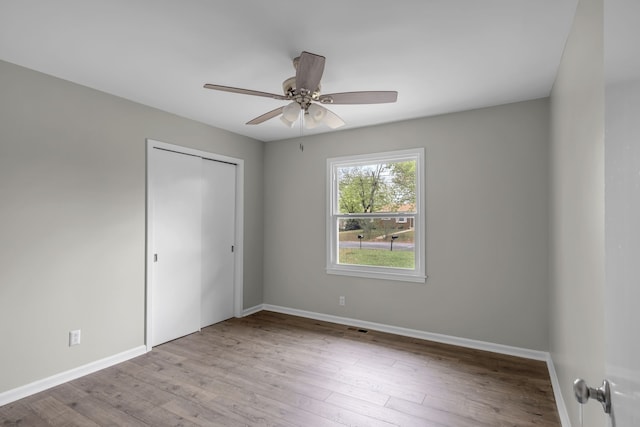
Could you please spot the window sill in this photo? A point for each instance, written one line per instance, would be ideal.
(386, 275)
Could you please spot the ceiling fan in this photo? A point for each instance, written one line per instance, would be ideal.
(303, 92)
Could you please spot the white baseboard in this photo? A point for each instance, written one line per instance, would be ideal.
(414, 333)
(63, 377)
(555, 383)
(251, 310)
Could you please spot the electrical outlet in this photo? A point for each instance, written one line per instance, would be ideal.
(341, 300)
(74, 337)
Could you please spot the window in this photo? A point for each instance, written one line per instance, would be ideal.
(375, 221)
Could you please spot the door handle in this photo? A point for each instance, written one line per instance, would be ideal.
(602, 394)
(155, 257)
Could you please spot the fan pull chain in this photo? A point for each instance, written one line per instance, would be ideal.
(301, 122)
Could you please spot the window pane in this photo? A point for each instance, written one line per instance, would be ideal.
(388, 186)
(380, 242)
(375, 218)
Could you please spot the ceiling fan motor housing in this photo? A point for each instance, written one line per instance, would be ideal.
(304, 99)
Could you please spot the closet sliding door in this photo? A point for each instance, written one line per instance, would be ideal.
(176, 188)
(218, 230)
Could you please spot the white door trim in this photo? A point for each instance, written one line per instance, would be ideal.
(239, 234)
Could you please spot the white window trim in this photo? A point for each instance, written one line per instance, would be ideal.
(416, 275)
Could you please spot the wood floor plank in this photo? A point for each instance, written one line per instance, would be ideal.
(307, 379)
(110, 388)
(272, 369)
(235, 386)
(446, 416)
(246, 392)
(94, 409)
(297, 368)
(56, 413)
(377, 412)
(19, 414)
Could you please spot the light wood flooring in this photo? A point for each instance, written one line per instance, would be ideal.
(279, 370)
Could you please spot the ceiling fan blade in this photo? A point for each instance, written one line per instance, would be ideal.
(245, 91)
(266, 116)
(332, 120)
(368, 97)
(309, 71)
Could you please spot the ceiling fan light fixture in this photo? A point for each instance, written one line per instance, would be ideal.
(291, 111)
(288, 123)
(317, 112)
(309, 121)
(332, 120)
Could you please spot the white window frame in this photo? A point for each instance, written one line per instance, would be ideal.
(418, 274)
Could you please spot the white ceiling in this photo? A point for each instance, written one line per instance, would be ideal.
(440, 55)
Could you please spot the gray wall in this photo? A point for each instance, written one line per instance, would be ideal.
(487, 222)
(72, 225)
(577, 211)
